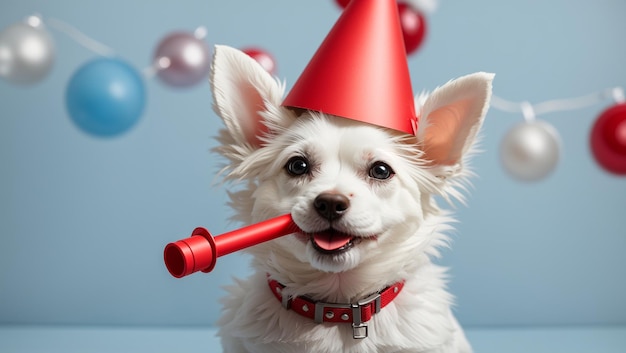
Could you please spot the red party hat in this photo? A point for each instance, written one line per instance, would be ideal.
(360, 71)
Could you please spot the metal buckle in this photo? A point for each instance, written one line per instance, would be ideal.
(372, 298)
(359, 332)
(286, 301)
(359, 329)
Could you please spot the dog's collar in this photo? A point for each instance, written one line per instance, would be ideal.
(356, 313)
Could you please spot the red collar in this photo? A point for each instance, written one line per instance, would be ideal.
(356, 313)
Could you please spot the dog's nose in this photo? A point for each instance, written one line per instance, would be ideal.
(331, 205)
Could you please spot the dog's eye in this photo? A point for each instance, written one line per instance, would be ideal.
(381, 170)
(297, 166)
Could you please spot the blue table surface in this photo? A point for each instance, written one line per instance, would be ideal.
(50, 339)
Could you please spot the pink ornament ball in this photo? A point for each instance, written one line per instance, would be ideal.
(183, 59)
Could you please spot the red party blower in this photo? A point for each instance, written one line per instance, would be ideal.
(200, 251)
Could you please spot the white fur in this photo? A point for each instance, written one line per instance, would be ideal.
(400, 225)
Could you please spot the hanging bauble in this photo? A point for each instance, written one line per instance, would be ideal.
(262, 57)
(105, 97)
(182, 59)
(608, 139)
(26, 52)
(412, 21)
(413, 27)
(342, 3)
(530, 150)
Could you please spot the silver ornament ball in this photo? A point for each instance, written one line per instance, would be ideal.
(530, 151)
(26, 53)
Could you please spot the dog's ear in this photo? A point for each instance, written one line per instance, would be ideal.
(248, 99)
(450, 118)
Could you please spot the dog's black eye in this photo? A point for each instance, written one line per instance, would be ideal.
(297, 166)
(381, 170)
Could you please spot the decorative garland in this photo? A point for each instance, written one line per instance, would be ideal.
(106, 96)
(531, 149)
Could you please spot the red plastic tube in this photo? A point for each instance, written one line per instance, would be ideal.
(200, 251)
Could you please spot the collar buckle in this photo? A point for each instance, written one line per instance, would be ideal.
(359, 332)
(374, 298)
(359, 328)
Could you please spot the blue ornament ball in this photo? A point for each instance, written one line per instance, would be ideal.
(105, 97)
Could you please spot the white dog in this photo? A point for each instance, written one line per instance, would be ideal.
(358, 276)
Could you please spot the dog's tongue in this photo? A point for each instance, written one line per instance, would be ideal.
(331, 240)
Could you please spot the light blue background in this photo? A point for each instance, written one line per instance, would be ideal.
(83, 221)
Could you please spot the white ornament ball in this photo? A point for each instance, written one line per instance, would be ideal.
(530, 151)
(26, 53)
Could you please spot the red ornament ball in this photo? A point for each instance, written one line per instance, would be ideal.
(412, 22)
(262, 57)
(608, 139)
(342, 3)
(413, 27)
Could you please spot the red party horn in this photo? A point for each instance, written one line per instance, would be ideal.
(200, 251)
